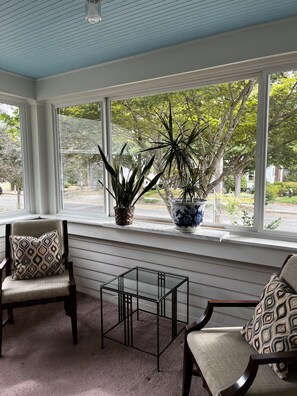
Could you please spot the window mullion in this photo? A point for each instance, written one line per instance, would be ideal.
(28, 187)
(107, 147)
(261, 151)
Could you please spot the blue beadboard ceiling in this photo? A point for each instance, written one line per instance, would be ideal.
(39, 38)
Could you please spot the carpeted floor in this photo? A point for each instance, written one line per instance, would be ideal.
(40, 359)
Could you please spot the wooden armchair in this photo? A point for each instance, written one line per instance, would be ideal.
(36, 269)
(228, 364)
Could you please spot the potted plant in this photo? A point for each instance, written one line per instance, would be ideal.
(183, 167)
(127, 184)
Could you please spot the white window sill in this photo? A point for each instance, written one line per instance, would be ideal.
(17, 217)
(170, 230)
(151, 228)
(107, 229)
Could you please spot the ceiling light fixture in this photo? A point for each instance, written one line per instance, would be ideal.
(93, 11)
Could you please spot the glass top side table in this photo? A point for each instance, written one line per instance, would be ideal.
(157, 288)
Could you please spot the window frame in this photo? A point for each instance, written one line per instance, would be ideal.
(182, 87)
(58, 162)
(26, 152)
(194, 80)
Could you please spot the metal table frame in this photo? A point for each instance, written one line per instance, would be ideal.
(125, 307)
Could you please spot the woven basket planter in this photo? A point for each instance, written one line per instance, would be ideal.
(124, 216)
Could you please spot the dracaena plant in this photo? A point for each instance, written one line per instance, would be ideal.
(181, 159)
(128, 187)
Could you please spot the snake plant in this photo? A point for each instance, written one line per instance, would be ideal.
(127, 187)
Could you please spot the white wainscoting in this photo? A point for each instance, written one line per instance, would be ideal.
(97, 260)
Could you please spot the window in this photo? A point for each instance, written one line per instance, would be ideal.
(226, 115)
(11, 159)
(80, 132)
(281, 171)
(244, 191)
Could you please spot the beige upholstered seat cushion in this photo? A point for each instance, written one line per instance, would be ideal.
(222, 355)
(34, 289)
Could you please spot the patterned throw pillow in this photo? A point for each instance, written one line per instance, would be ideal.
(273, 327)
(36, 257)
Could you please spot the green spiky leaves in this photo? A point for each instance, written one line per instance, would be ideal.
(128, 185)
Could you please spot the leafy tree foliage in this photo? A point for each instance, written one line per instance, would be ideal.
(11, 151)
(227, 145)
(87, 111)
(282, 141)
(80, 128)
(228, 111)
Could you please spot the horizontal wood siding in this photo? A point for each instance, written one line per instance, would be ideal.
(97, 261)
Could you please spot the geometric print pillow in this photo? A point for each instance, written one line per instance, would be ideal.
(273, 327)
(36, 257)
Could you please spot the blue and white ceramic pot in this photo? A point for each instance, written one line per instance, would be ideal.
(187, 216)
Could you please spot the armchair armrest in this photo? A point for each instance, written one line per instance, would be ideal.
(204, 319)
(71, 276)
(69, 267)
(243, 383)
(3, 263)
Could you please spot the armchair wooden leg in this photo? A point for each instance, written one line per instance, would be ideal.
(1, 318)
(67, 307)
(74, 329)
(10, 315)
(187, 369)
(73, 314)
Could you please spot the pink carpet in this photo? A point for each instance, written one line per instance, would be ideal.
(40, 359)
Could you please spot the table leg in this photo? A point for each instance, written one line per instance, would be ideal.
(121, 299)
(128, 320)
(188, 298)
(158, 338)
(101, 313)
(174, 315)
(161, 291)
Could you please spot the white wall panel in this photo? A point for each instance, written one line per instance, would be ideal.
(96, 261)
(12, 84)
